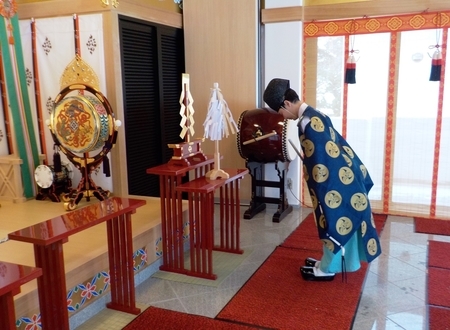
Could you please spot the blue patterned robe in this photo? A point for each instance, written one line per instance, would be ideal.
(339, 184)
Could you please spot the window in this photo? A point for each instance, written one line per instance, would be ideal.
(393, 116)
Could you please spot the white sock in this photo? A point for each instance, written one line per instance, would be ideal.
(318, 272)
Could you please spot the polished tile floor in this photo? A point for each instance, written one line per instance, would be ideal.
(394, 295)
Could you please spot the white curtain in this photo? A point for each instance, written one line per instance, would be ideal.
(417, 171)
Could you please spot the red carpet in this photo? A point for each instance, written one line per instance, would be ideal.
(277, 297)
(439, 287)
(305, 236)
(438, 318)
(432, 226)
(163, 319)
(438, 254)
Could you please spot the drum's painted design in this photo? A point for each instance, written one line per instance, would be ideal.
(81, 123)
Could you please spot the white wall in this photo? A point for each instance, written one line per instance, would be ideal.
(282, 53)
(282, 3)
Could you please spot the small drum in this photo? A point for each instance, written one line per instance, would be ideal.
(264, 136)
(45, 175)
(81, 123)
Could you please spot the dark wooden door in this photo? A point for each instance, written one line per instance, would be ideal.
(152, 68)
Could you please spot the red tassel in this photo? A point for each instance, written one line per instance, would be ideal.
(350, 70)
(436, 66)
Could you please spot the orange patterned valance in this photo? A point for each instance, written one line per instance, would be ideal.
(366, 25)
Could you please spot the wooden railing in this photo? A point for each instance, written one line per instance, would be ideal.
(11, 187)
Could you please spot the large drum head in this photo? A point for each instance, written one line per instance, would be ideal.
(80, 123)
(264, 136)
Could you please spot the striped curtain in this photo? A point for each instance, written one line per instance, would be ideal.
(396, 119)
(16, 107)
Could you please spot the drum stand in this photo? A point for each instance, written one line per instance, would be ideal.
(257, 203)
(54, 191)
(86, 188)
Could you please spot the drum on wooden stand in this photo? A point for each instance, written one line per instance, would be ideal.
(45, 175)
(84, 128)
(266, 137)
(52, 183)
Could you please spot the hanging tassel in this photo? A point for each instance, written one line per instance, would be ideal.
(436, 66)
(56, 159)
(350, 70)
(11, 37)
(106, 168)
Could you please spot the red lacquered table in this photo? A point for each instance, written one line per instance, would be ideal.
(12, 276)
(201, 220)
(48, 238)
(170, 177)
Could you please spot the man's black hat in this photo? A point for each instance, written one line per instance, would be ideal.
(274, 93)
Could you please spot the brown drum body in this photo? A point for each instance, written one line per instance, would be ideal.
(263, 136)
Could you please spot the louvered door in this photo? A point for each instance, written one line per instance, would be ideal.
(152, 66)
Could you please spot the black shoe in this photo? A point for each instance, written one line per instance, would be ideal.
(309, 275)
(310, 262)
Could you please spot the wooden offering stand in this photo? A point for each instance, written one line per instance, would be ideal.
(187, 153)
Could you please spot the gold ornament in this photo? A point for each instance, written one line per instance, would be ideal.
(115, 3)
(79, 72)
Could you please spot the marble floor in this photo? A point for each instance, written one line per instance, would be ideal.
(393, 296)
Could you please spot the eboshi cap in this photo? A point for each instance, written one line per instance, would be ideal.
(274, 93)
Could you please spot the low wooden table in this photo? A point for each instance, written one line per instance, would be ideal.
(201, 220)
(48, 238)
(12, 276)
